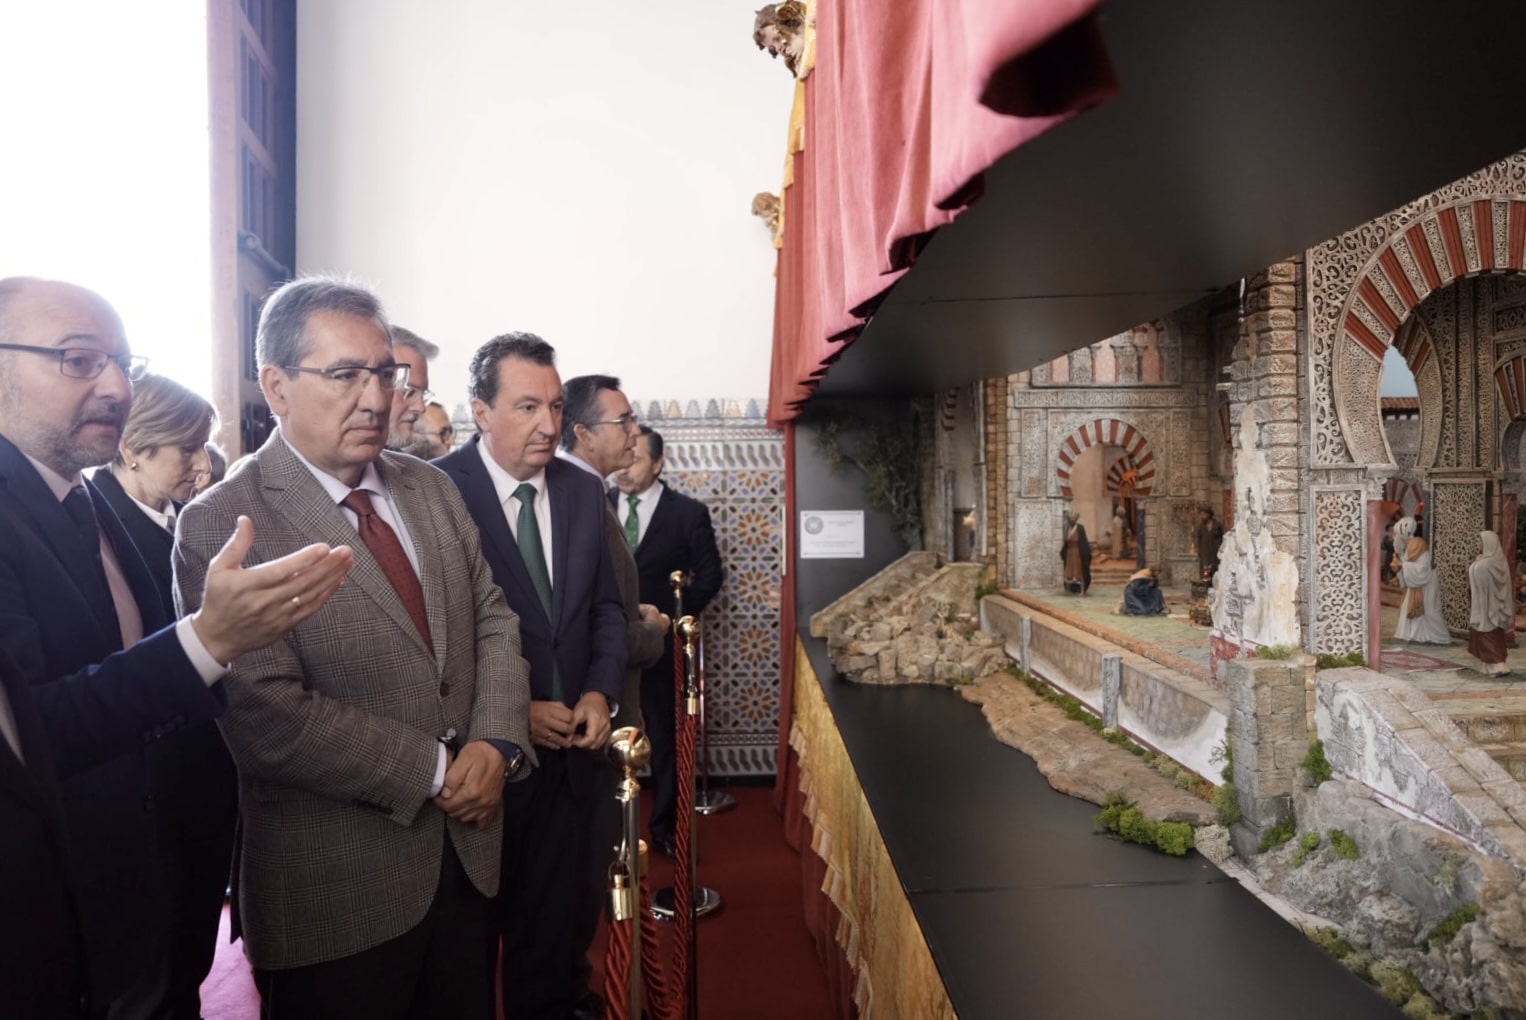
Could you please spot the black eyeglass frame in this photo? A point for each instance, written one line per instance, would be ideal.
(134, 366)
(399, 370)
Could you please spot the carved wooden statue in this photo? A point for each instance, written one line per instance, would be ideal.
(765, 206)
(780, 29)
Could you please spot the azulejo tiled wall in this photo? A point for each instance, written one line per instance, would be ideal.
(725, 455)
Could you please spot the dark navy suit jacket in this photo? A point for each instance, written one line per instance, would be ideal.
(678, 537)
(585, 634)
(84, 684)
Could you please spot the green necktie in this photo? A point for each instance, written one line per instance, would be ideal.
(534, 555)
(633, 523)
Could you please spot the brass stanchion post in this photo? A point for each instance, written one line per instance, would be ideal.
(630, 750)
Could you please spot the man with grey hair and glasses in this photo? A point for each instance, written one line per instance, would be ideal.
(373, 741)
(411, 395)
(92, 670)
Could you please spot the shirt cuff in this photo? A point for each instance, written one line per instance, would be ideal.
(439, 774)
(209, 669)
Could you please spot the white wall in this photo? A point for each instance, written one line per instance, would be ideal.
(580, 170)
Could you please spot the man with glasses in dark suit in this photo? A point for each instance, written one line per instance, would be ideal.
(90, 653)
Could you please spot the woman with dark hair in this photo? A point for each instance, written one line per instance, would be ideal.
(162, 455)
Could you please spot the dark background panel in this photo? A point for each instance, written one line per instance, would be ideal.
(1244, 133)
(818, 486)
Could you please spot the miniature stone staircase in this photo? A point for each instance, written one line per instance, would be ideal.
(1498, 728)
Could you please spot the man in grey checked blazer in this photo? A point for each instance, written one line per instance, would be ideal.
(372, 743)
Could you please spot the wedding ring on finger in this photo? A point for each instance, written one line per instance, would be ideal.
(296, 601)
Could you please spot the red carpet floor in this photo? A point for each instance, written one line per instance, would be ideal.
(756, 959)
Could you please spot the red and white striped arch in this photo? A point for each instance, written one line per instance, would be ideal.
(1108, 432)
(1486, 235)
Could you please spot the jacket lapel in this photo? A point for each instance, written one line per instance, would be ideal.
(659, 521)
(295, 494)
(481, 500)
(560, 495)
(145, 590)
(52, 522)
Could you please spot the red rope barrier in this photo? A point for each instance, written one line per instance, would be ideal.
(683, 861)
(617, 971)
(659, 1000)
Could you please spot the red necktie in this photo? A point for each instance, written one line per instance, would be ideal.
(382, 541)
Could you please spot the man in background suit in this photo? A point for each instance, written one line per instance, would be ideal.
(599, 432)
(409, 399)
(373, 742)
(85, 632)
(543, 522)
(668, 531)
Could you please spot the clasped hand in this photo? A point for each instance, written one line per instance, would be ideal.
(473, 784)
(554, 725)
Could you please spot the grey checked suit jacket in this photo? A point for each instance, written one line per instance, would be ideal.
(334, 728)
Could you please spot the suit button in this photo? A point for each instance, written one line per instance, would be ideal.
(445, 690)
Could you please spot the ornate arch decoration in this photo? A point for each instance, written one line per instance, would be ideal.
(1442, 245)
(1108, 432)
(1510, 380)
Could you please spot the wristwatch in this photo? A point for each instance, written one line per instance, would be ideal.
(514, 763)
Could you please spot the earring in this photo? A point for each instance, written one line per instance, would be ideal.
(133, 466)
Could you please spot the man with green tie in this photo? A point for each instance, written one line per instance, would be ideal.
(542, 522)
(668, 531)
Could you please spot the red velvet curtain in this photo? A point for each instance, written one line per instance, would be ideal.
(908, 103)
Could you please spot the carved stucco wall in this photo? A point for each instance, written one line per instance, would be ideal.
(1173, 422)
(1395, 280)
(1365, 282)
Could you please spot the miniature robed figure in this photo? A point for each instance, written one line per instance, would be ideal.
(1076, 554)
(1491, 611)
(1142, 596)
(1420, 616)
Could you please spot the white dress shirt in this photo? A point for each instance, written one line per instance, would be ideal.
(164, 518)
(505, 484)
(645, 507)
(381, 501)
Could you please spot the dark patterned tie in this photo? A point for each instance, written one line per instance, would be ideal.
(388, 551)
(527, 535)
(633, 523)
(97, 589)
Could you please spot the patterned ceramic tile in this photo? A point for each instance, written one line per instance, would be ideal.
(726, 457)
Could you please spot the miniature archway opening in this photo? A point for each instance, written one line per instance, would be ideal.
(1105, 462)
(1441, 246)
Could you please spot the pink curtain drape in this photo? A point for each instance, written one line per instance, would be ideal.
(907, 105)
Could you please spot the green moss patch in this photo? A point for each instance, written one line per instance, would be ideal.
(1123, 819)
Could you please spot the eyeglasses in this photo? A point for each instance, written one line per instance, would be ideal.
(440, 434)
(626, 421)
(409, 392)
(355, 377)
(87, 362)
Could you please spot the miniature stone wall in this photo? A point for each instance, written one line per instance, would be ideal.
(1389, 737)
(1386, 903)
(913, 622)
(1268, 734)
(1148, 392)
(1179, 716)
(884, 586)
(1257, 594)
(999, 476)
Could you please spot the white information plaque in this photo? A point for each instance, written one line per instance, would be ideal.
(831, 534)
